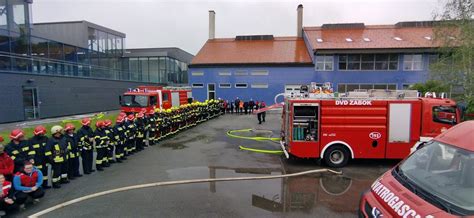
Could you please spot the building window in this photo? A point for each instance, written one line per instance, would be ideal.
(259, 73)
(368, 62)
(241, 73)
(225, 85)
(225, 73)
(324, 62)
(197, 85)
(241, 85)
(349, 87)
(197, 73)
(259, 86)
(413, 62)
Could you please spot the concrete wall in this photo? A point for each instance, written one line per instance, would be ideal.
(59, 96)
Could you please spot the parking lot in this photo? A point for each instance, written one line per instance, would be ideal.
(206, 151)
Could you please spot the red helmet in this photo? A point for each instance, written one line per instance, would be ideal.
(122, 114)
(107, 123)
(131, 117)
(140, 115)
(69, 126)
(99, 124)
(143, 111)
(120, 119)
(17, 134)
(1, 139)
(86, 121)
(39, 130)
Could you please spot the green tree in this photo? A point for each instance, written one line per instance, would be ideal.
(454, 35)
(430, 86)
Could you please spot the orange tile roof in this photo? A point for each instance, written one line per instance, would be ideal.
(380, 36)
(280, 50)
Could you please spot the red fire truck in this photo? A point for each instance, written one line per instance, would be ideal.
(435, 181)
(152, 97)
(362, 124)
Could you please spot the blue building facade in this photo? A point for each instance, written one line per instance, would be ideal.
(349, 56)
(260, 83)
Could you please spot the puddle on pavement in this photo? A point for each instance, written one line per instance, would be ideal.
(334, 194)
(175, 144)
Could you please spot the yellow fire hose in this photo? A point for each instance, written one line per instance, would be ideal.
(256, 138)
(180, 182)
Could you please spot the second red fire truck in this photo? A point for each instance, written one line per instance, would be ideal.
(152, 97)
(362, 124)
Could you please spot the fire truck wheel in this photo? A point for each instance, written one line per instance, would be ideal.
(336, 156)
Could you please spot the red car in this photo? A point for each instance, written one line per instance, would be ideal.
(437, 180)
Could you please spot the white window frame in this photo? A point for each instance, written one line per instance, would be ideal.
(411, 62)
(197, 85)
(225, 73)
(324, 62)
(259, 73)
(197, 73)
(259, 86)
(241, 73)
(246, 85)
(226, 87)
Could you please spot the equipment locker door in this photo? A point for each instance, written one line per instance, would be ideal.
(175, 99)
(305, 128)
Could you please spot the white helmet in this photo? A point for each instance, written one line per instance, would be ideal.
(56, 129)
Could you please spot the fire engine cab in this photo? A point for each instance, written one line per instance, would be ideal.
(437, 180)
(152, 97)
(361, 124)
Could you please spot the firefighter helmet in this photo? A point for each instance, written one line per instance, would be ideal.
(120, 119)
(107, 123)
(69, 126)
(122, 114)
(1, 139)
(131, 117)
(56, 129)
(17, 134)
(140, 115)
(86, 121)
(39, 130)
(99, 124)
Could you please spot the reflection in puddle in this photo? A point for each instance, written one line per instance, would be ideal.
(336, 193)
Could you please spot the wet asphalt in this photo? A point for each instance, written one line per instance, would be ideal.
(206, 151)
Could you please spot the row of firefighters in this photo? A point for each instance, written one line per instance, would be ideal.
(113, 143)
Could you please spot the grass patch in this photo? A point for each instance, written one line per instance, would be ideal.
(77, 123)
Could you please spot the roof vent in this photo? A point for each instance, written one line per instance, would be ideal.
(415, 24)
(343, 26)
(254, 37)
(319, 40)
(366, 39)
(427, 37)
(348, 40)
(397, 38)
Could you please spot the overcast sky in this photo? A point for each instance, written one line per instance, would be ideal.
(184, 23)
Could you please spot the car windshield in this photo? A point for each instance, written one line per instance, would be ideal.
(135, 101)
(446, 173)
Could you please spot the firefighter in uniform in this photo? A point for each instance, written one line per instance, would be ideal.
(56, 151)
(140, 133)
(158, 124)
(109, 131)
(152, 136)
(120, 139)
(73, 151)
(19, 149)
(130, 133)
(86, 140)
(38, 144)
(101, 143)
